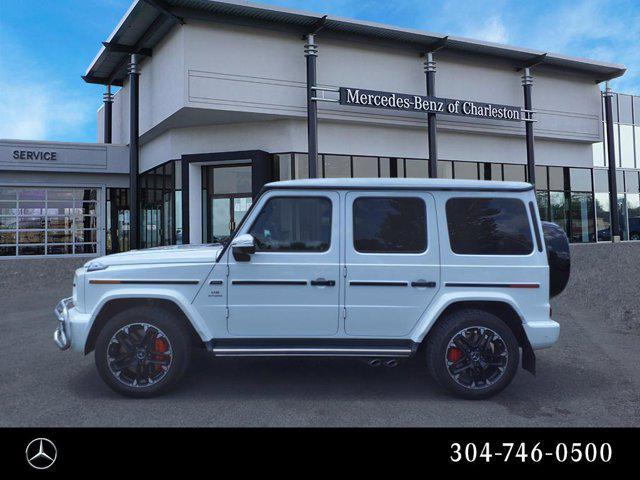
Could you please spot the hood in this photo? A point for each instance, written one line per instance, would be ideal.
(170, 254)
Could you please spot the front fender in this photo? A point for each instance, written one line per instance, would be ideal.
(433, 312)
(140, 293)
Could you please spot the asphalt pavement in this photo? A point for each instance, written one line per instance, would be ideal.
(590, 378)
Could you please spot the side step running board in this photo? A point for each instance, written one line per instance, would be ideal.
(310, 352)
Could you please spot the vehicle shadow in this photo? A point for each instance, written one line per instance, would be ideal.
(347, 379)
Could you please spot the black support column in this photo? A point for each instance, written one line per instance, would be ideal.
(108, 115)
(184, 176)
(311, 52)
(430, 71)
(134, 113)
(611, 156)
(527, 86)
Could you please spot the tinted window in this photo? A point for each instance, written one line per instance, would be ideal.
(389, 225)
(293, 224)
(488, 226)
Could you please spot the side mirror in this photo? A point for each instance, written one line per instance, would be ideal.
(242, 247)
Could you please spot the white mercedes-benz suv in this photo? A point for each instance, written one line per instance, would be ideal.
(456, 272)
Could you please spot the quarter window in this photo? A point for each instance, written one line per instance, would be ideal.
(293, 224)
(488, 226)
(389, 225)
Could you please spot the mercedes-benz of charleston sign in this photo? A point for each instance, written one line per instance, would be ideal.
(359, 97)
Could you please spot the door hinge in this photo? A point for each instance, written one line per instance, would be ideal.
(344, 313)
(226, 312)
(344, 272)
(228, 269)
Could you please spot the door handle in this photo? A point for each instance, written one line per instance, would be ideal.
(423, 284)
(321, 282)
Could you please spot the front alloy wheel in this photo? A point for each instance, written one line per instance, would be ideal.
(139, 355)
(143, 351)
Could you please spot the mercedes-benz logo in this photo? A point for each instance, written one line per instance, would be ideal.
(41, 453)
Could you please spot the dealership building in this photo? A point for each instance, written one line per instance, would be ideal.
(206, 101)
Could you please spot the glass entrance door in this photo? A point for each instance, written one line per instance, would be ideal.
(227, 198)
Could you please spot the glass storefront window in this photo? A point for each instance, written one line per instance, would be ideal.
(542, 198)
(580, 179)
(158, 193)
(556, 178)
(541, 178)
(232, 179)
(632, 185)
(626, 147)
(558, 209)
(603, 217)
(622, 216)
(445, 169)
(416, 168)
(337, 166)
(465, 170)
(633, 212)
(616, 143)
(47, 221)
(301, 165)
(513, 172)
(598, 154)
(385, 167)
(365, 167)
(601, 180)
(282, 166)
(582, 227)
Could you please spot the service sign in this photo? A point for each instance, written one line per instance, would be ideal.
(359, 97)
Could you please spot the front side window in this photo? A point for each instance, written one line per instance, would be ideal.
(293, 224)
(488, 226)
(389, 225)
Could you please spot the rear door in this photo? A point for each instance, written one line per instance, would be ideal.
(391, 260)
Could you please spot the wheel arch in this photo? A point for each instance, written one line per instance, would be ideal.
(501, 309)
(116, 305)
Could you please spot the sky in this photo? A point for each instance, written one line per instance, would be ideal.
(46, 45)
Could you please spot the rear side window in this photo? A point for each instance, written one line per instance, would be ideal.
(293, 224)
(488, 226)
(389, 225)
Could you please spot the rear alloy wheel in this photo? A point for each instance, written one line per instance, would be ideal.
(472, 353)
(142, 352)
(476, 357)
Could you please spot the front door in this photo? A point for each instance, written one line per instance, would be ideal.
(392, 261)
(290, 286)
(226, 212)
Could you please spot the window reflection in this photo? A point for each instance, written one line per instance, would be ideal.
(626, 146)
(633, 209)
(582, 227)
(558, 209)
(622, 216)
(603, 216)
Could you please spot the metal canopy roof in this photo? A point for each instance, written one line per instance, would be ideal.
(147, 21)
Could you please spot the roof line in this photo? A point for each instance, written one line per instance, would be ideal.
(298, 19)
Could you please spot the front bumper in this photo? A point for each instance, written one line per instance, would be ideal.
(61, 335)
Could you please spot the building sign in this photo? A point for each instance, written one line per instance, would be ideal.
(47, 156)
(359, 97)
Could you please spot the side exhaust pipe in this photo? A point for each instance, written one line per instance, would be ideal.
(391, 363)
(375, 362)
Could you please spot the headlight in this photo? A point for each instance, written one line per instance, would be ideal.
(95, 266)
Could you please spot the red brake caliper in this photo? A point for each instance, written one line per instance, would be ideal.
(454, 354)
(160, 346)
